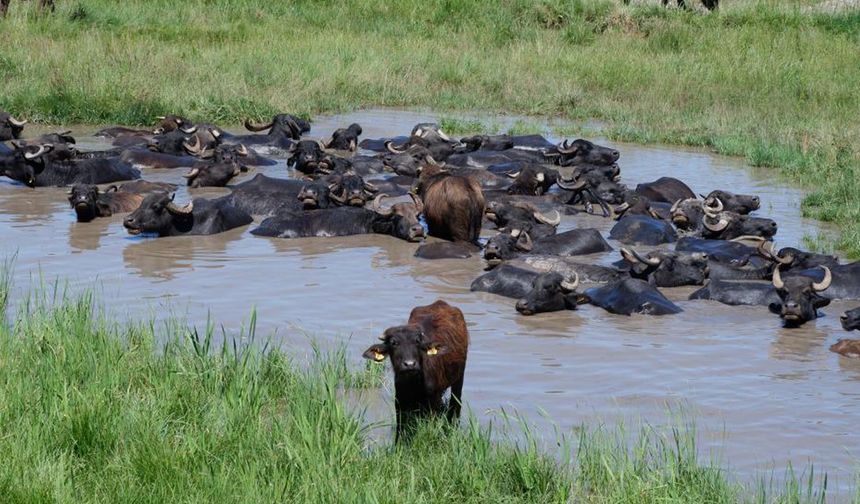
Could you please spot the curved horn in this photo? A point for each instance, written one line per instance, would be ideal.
(419, 204)
(189, 131)
(193, 173)
(442, 135)
(193, 148)
(370, 187)
(719, 226)
(514, 175)
(570, 287)
(43, 149)
(552, 221)
(390, 146)
(825, 282)
(777, 279)
(186, 210)
(527, 244)
(321, 144)
(571, 185)
(258, 127)
(675, 206)
(242, 150)
(750, 238)
(215, 133)
(653, 261)
(376, 206)
(207, 153)
(16, 122)
(767, 249)
(716, 206)
(564, 148)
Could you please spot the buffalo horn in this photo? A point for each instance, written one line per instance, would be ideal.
(189, 131)
(552, 221)
(419, 205)
(443, 136)
(777, 279)
(193, 173)
(570, 287)
(376, 206)
(258, 127)
(193, 148)
(564, 148)
(527, 244)
(825, 282)
(370, 187)
(514, 175)
(186, 210)
(43, 149)
(571, 185)
(713, 205)
(675, 206)
(241, 150)
(16, 122)
(390, 146)
(719, 226)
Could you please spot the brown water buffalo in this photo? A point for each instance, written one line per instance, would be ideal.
(453, 205)
(428, 356)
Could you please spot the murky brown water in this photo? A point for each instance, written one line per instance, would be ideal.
(763, 396)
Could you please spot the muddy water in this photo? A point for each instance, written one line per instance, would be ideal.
(762, 396)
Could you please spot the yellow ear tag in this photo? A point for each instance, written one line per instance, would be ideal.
(378, 357)
(432, 351)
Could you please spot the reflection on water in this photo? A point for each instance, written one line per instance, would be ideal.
(778, 394)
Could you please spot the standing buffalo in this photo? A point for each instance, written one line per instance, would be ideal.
(453, 205)
(428, 356)
(158, 213)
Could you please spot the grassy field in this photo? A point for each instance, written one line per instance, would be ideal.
(774, 81)
(93, 411)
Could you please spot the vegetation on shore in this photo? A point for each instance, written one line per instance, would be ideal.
(94, 411)
(773, 81)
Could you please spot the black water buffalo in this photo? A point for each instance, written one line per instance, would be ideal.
(344, 138)
(791, 258)
(667, 269)
(720, 250)
(400, 221)
(737, 293)
(158, 214)
(336, 190)
(550, 292)
(799, 297)
(213, 175)
(737, 203)
(264, 195)
(687, 214)
(428, 356)
(446, 250)
(176, 143)
(453, 205)
(429, 136)
(30, 165)
(851, 320)
(665, 190)
(282, 130)
(629, 296)
(584, 152)
(722, 225)
(307, 156)
(574, 242)
(523, 217)
(10, 128)
(488, 142)
(593, 188)
(531, 179)
(568, 268)
(165, 124)
(844, 280)
(89, 202)
(483, 159)
(643, 230)
(506, 280)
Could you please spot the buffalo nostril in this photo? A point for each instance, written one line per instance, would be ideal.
(410, 364)
(844, 316)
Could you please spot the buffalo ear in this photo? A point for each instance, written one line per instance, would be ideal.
(376, 353)
(436, 349)
(820, 301)
(775, 308)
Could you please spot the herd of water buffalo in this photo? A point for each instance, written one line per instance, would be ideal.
(451, 189)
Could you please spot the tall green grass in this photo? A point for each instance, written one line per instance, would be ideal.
(95, 411)
(773, 81)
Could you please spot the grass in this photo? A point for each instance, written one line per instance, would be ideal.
(770, 80)
(95, 411)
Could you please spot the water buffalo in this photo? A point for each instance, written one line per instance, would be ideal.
(89, 202)
(506, 280)
(523, 217)
(429, 136)
(165, 124)
(629, 296)
(687, 214)
(851, 320)
(568, 268)
(574, 242)
(665, 190)
(584, 152)
(550, 292)
(453, 205)
(737, 203)
(643, 230)
(488, 142)
(428, 356)
(282, 130)
(667, 269)
(531, 179)
(30, 165)
(791, 258)
(158, 214)
(737, 293)
(10, 128)
(799, 297)
(844, 279)
(264, 195)
(400, 221)
(344, 138)
(446, 250)
(593, 188)
(213, 175)
(848, 347)
(722, 225)
(178, 142)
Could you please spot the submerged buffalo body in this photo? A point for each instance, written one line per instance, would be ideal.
(158, 214)
(32, 166)
(340, 221)
(630, 296)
